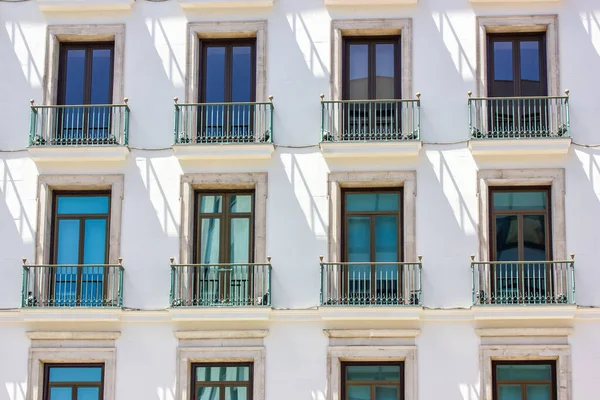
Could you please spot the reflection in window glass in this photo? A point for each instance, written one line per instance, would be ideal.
(503, 61)
(222, 382)
(530, 60)
(65, 382)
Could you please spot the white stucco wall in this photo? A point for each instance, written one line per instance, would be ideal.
(298, 70)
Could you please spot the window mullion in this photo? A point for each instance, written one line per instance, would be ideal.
(517, 67)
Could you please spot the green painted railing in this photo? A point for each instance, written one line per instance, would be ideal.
(371, 284)
(519, 117)
(370, 120)
(523, 283)
(217, 285)
(224, 123)
(72, 285)
(79, 125)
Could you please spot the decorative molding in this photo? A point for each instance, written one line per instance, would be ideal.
(369, 3)
(371, 149)
(370, 313)
(85, 5)
(518, 332)
(249, 151)
(208, 4)
(62, 335)
(258, 313)
(514, 147)
(233, 334)
(528, 312)
(512, 1)
(371, 333)
(68, 154)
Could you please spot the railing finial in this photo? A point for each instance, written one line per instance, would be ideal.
(268, 259)
(321, 258)
(120, 260)
(322, 96)
(472, 258)
(418, 95)
(420, 258)
(572, 256)
(271, 98)
(126, 100)
(172, 259)
(31, 101)
(175, 99)
(567, 91)
(24, 260)
(470, 93)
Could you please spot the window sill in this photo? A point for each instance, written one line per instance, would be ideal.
(371, 313)
(220, 313)
(370, 149)
(521, 312)
(254, 151)
(77, 153)
(369, 2)
(204, 4)
(503, 147)
(85, 5)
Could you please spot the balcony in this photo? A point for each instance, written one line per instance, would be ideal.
(519, 125)
(72, 286)
(370, 128)
(79, 132)
(224, 130)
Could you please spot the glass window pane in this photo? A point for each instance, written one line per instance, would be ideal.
(386, 393)
(358, 71)
(75, 374)
(94, 243)
(239, 245)
(240, 203)
(359, 239)
(539, 392)
(534, 237)
(211, 204)
(517, 372)
(61, 393)
(507, 238)
(530, 61)
(208, 393)
(101, 74)
(359, 392)
(210, 230)
(236, 393)
(372, 202)
(503, 61)
(67, 248)
(241, 74)
(509, 392)
(520, 200)
(88, 393)
(70, 205)
(373, 372)
(214, 82)
(74, 85)
(385, 68)
(386, 238)
(239, 373)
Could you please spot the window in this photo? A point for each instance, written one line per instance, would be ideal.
(73, 382)
(372, 228)
(372, 381)
(222, 382)
(527, 380)
(80, 237)
(85, 78)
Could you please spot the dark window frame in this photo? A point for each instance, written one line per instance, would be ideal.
(249, 384)
(73, 385)
(496, 384)
(516, 38)
(372, 384)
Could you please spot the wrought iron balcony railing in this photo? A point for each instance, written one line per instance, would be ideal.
(70, 285)
(371, 283)
(217, 285)
(523, 283)
(370, 120)
(519, 117)
(79, 125)
(224, 123)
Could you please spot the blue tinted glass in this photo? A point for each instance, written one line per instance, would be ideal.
(65, 286)
(385, 69)
(68, 242)
(530, 61)
(75, 76)
(223, 374)
(215, 75)
(534, 237)
(359, 392)
(211, 204)
(507, 238)
(75, 374)
(60, 393)
(386, 393)
(208, 393)
(94, 243)
(83, 205)
(359, 239)
(239, 240)
(240, 203)
(241, 74)
(358, 72)
(101, 73)
(386, 238)
(88, 393)
(372, 202)
(523, 372)
(539, 392)
(520, 200)
(373, 373)
(503, 61)
(510, 392)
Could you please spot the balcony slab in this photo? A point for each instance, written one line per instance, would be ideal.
(508, 147)
(84, 5)
(77, 153)
(370, 3)
(371, 149)
(220, 313)
(55, 314)
(207, 4)
(367, 313)
(528, 312)
(248, 151)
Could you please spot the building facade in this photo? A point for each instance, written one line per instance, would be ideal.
(299, 199)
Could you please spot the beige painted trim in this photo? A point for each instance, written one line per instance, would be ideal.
(337, 354)
(83, 33)
(371, 27)
(560, 353)
(48, 183)
(192, 182)
(555, 178)
(510, 24)
(186, 356)
(371, 333)
(63, 335)
(224, 30)
(405, 179)
(521, 332)
(239, 334)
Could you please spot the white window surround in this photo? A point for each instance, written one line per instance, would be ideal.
(514, 24)
(71, 347)
(385, 179)
(45, 187)
(83, 33)
(219, 347)
(192, 182)
(371, 27)
(555, 178)
(225, 30)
